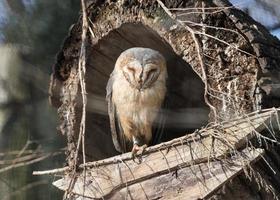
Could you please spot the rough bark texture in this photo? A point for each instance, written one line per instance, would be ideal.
(239, 82)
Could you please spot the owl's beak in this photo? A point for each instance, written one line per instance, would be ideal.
(139, 87)
(140, 84)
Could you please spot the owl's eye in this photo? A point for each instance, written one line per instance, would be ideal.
(151, 71)
(131, 69)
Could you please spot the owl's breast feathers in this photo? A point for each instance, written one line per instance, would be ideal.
(125, 95)
(139, 107)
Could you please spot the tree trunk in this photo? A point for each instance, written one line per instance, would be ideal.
(209, 43)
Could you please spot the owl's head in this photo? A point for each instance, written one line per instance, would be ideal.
(141, 67)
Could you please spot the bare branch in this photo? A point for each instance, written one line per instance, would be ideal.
(25, 163)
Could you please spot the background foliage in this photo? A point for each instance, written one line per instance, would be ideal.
(31, 34)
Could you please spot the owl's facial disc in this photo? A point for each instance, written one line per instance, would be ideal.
(150, 74)
(133, 72)
(141, 76)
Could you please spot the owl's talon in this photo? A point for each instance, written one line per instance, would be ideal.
(138, 150)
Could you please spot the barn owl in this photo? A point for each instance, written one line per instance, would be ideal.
(135, 92)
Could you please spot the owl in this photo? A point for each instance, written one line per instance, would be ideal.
(135, 92)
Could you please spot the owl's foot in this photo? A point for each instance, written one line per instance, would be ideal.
(138, 150)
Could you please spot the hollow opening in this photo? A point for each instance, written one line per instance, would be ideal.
(184, 111)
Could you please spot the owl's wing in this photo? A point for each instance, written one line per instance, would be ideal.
(116, 129)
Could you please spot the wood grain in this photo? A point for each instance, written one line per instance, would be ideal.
(107, 176)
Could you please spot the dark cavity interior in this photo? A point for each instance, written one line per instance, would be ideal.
(185, 109)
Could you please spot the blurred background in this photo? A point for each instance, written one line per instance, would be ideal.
(31, 32)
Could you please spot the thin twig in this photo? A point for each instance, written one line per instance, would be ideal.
(199, 54)
(81, 72)
(52, 171)
(201, 8)
(4, 169)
